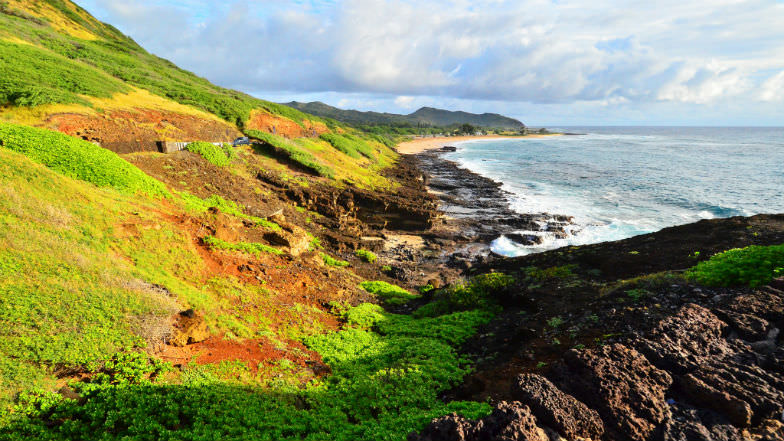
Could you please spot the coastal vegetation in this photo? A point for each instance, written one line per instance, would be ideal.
(407, 362)
(366, 256)
(426, 118)
(128, 394)
(331, 261)
(44, 66)
(219, 155)
(59, 61)
(289, 151)
(78, 159)
(390, 294)
(753, 266)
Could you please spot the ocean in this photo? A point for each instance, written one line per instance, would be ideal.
(619, 182)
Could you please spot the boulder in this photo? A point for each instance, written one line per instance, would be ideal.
(736, 410)
(623, 386)
(525, 239)
(189, 328)
(291, 236)
(690, 424)
(717, 373)
(552, 407)
(509, 421)
(682, 342)
(749, 327)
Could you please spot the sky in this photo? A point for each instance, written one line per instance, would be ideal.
(546, 62)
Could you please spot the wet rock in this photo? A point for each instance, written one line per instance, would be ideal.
(524, 239)
(552, 407)
(189, 328)
(623, 386)
(509, 421)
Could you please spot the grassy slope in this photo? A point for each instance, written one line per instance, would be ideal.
(57, 59)
(78, 257)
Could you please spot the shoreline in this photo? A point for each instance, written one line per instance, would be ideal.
(472, 212)
(420, 145)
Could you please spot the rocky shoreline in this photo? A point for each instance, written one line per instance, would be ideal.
(607, 341)
(471, 212)
(478, 207)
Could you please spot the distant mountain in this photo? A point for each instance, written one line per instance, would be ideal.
(425, 116)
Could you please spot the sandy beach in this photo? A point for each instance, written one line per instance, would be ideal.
(422, 144)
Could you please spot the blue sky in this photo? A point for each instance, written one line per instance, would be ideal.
(548, 63)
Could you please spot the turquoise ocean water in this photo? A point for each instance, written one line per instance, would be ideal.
(618, 182)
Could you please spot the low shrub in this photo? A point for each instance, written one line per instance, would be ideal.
(350, 145)
(476, 293)
(753, 266)
(365, 315)
(79, 159)
(383, 386)
(554, 272)
(390, 294)
(331, 261)
(216, 155)
(287, 151)
(365, 256)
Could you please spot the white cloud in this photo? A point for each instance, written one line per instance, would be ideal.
(538, 51)
(704, 85)
(405, 102)
(773, 88)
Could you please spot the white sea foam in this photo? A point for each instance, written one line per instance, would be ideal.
(617, 185)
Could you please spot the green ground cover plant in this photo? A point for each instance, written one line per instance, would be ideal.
(389, 293)
(78, 159)
(245, 247)
(331, 261)
(283, 149)
(365, 256)
(753, 266)
(33, 76)
(65, 298)
(474, 293)
(220, 156)
(384, 384)
(350, 145)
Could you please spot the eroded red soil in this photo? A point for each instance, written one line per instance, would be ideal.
(139, 130)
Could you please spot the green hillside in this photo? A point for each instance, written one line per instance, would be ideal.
(424, 117)
(146, 303)
(94, 263)
(46, 63)
(63, 70)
